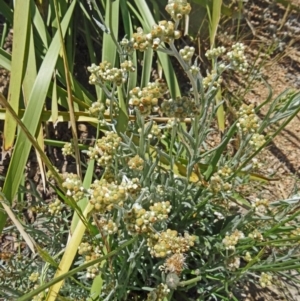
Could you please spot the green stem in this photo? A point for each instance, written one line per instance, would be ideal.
(111, 32)
(191, 281)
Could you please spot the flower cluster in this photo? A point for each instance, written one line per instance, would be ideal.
(108, 226)
(257, 140)
(218, 183)
(84, 248)
(168, 242)
(132, 187)
(233, 263)
(265, 279)
(255, 163)
(73, 185)
(187, 53)
(104, 195)
(181, 107)
(67, 149)
(225, 171)
(212, 79)
(261, 205)
(34, 277)
(247, 257)
(127, 46)
(128, 66)
(256, 235)
(136, 163)
(248, 121)
(146, 99)
(105, 73)
(96, 108)
(215, 52)
(162, 32)
(105, 149)
(230, 241)
(139, 220)
(55, 207)
(90, 253)
(140, 41)
(155, 130)
(194, 70)
(237, 58)
(159, 293)
(178, 8)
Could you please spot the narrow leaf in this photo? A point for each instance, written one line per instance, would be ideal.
(18, 65)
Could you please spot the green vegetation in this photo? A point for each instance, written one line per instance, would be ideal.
(152, 211)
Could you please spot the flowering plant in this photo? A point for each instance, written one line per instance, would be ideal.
(166, 216)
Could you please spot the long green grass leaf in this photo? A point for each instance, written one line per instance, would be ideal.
(40, 26)
(28, 82)
(18, 66)
(214, 23)
(215, 19)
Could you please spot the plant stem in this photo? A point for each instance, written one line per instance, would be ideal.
(191, 281)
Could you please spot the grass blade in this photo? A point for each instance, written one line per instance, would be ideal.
(18, 65)
(216, 15)
(214, 23)
(68, 256)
